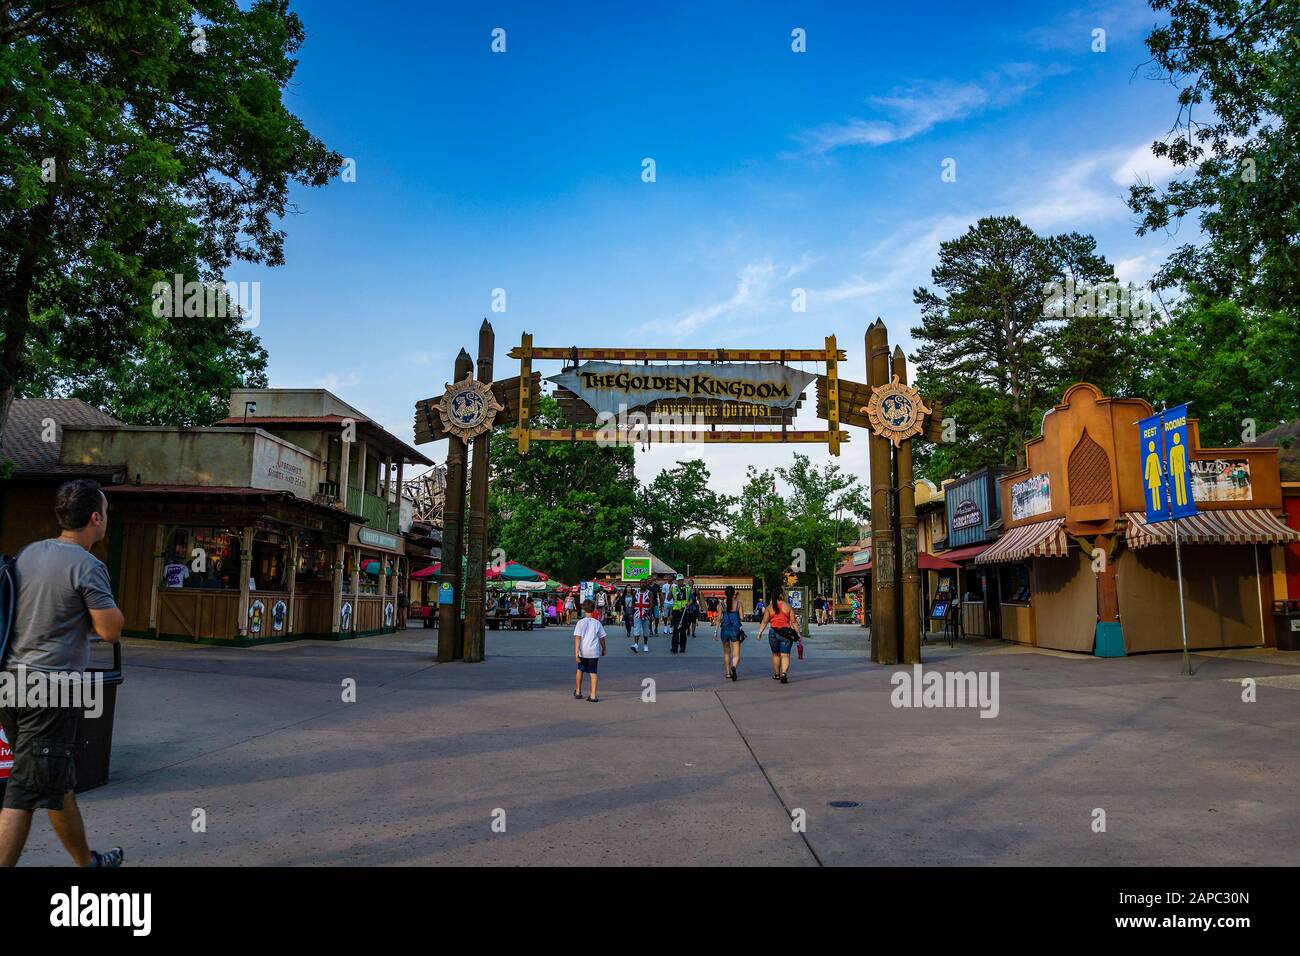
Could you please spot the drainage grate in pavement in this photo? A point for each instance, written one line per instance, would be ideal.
(844, 804)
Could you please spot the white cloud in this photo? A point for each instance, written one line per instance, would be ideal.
(754, 293)
(1142, 165)
(916, 109)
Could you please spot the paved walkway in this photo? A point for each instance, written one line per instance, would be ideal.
(708, 773)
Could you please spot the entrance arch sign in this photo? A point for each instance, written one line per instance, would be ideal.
(709, 387)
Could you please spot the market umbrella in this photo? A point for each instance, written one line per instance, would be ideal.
(432, 571)
(514, 571)
(371, 567)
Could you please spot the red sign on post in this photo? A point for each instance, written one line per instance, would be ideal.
(6, 757)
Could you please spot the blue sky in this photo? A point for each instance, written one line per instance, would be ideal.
(775, 170)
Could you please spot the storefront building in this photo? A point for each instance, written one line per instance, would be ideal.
(973, 513)
(1077, 557)
(239, 534)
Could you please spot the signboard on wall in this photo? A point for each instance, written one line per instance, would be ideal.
(611, 387)
(1031, 497)
(967, 515)
(636, 569)
(1221, 479)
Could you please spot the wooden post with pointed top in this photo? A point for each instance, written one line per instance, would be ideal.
(525, 389)
(884, 608)
(909, 579)
(451, 644)
(476, 550)
(832, 395)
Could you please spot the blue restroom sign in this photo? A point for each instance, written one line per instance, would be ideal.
(1165, 453)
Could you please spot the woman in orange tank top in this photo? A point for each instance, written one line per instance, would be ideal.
(780, 618)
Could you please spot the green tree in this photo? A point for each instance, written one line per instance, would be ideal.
(139, 141)
(1236, 66)
(676, 503)
(1230, 362)
(762, 538)
(563, 508)
(824, 509)
(989, 347)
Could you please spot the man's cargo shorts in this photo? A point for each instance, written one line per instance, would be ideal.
(44, 742)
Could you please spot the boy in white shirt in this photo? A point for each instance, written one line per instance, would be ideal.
(588, 649)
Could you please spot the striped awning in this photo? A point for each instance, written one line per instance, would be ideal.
(1042, 539)
(1247, 526)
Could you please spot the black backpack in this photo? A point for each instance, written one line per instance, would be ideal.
(8, 603)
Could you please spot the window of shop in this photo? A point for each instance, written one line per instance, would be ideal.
(315, 563)
(270, 562)
(215, 566)
(1014, 583)
(973, 585)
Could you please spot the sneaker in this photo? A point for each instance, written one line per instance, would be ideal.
(635, 649)
(645, 648)
(113, 857)
(594, 700)
(785, 678)
(577, 695)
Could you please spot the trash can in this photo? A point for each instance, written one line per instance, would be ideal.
(1286, 624)
(95, 734)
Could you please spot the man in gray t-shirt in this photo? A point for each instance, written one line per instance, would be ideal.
(59, 584)
(63, 595)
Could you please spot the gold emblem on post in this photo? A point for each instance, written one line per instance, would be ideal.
(468, 408)
(896, 411)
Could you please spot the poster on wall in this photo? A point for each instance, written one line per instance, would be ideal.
(256, 613)
(278, 613)
(1030, 497)
(6, 756)
(1221, 480)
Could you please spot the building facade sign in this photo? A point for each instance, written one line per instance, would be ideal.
(1031, 497)
(1221, 479)
(609, 387)
(967, 515)
(380, 540)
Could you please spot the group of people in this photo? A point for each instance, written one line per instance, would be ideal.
(677, 605)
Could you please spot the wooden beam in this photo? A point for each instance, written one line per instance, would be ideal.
(833, 394)
(628, 436)
(680, 355)
(525, 380)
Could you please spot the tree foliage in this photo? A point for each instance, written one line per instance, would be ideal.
(563, 508)
(1236, 65)
(991, 353)
(138, 141)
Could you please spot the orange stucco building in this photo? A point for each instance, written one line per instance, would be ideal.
(1076, 537)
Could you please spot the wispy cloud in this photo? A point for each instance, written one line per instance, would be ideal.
(913, 110)
(1072, 32)
(755, 292)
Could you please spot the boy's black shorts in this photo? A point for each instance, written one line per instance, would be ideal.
(588, 664)
(44, 742)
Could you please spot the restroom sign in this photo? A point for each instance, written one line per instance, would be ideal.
(1165, 454)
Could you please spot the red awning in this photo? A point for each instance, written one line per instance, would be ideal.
(432, 571)
(967, 553)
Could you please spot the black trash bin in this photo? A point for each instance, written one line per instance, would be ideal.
(1286, 624)
(95, 734)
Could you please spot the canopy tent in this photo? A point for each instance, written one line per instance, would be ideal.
(514, 571)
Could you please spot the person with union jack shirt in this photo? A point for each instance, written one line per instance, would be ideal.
(643, 612)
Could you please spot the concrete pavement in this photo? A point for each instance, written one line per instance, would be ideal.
(417, 769)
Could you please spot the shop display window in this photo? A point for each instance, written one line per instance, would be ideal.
(214, 566)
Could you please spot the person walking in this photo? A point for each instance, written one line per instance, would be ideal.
(588, 649)
(727, 624)
(628, 606)
(779, 616)
(680, 623)
(643, 610)
(692, 607)
(63, 595)
(569, 607)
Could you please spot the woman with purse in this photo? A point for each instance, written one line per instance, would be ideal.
(727, 622)
(780, 618)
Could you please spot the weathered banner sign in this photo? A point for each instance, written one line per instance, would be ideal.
(608, 387)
